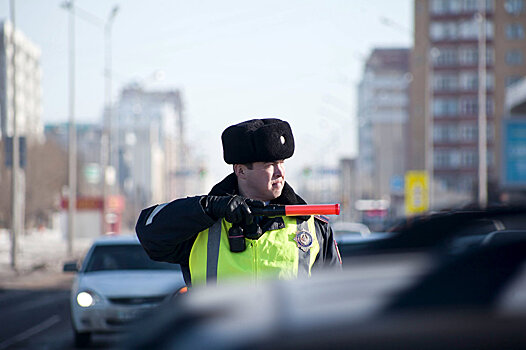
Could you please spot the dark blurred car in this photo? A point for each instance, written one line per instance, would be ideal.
(117, 284)
(438, 232)
(474, 297)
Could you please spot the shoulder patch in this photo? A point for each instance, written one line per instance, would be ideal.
(322, 218)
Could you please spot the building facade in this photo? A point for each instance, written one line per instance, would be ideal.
(513, 170)
(154, 164)
(28, 92)
(89, 150)
(444, 93)
(383, 101)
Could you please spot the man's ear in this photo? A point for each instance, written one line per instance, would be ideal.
(240, 170)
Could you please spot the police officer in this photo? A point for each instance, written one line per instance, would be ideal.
(216, 237)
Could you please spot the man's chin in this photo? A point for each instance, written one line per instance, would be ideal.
(277, 192)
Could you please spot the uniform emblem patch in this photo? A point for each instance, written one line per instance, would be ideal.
(304, 240)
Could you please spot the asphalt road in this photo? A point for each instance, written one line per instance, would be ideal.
(34, 314)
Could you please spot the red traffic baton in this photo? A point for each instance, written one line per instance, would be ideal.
(296, 210)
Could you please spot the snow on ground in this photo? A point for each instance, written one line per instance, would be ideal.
(42, 251)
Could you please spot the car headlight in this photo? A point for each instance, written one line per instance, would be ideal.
(87, 298)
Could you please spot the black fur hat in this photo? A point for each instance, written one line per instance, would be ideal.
(257, 140)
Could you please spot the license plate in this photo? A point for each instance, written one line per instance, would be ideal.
(126, 315)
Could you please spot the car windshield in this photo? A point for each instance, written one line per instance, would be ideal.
(124, 257)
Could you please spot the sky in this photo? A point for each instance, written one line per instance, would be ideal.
(232, 60)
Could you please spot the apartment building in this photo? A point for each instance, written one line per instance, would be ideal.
(444, 94)
(383, 102)
(28, 91)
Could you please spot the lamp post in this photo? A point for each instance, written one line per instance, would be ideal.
(16, 215)
(482, 121)
(107, 128)
(106, 132)
(431, 54)
(72, 132)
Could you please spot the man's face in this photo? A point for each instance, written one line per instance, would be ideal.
(265, 180)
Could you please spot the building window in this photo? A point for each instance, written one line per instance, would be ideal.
(490, 30)
(445, 133)
(468, 55)
(468, 133)
(490, 106)
(445, 107)
(489, 6)
(468, 158)
(445, 82)
(514, 7)
(468, 29)
(447, 158)
(464, 184)
(470, 5)
(468, 106)
(454, 158)
(514, 57)
(468, 80)
(440, 7)
(447, 56)
(514, 31)
(441, 159)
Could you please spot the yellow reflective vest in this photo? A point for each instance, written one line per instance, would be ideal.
(283, 253)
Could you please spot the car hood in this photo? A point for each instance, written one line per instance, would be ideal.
(131, 283)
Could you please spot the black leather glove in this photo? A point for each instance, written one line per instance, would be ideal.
(234, 209)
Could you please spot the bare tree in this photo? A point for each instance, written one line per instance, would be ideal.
(46, 176)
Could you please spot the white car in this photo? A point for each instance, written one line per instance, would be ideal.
(117, 284)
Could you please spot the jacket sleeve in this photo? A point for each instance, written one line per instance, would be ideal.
(329, 256)
(167, 231)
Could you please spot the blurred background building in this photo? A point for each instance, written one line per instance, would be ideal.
(445, 91)
(88, 153)
(28, 84)
(152, 157)
(383, 102)
(513, 171)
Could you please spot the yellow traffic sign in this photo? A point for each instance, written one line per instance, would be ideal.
(416, 192)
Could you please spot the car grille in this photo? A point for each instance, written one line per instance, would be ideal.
(137, 300)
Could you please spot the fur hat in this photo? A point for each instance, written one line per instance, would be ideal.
(257, 140)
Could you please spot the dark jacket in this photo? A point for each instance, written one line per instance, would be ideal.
(169, 234)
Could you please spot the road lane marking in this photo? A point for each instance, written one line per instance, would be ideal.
(30, 332)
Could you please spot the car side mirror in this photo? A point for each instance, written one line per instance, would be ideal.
(71, 266)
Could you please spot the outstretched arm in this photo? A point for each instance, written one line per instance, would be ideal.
(167, 231)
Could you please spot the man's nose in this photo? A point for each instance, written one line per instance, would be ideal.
(279, 170)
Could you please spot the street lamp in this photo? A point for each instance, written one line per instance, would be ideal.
(72, 132)
(482, 119)
(107, 128)
(106, 144)
(17, 219)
